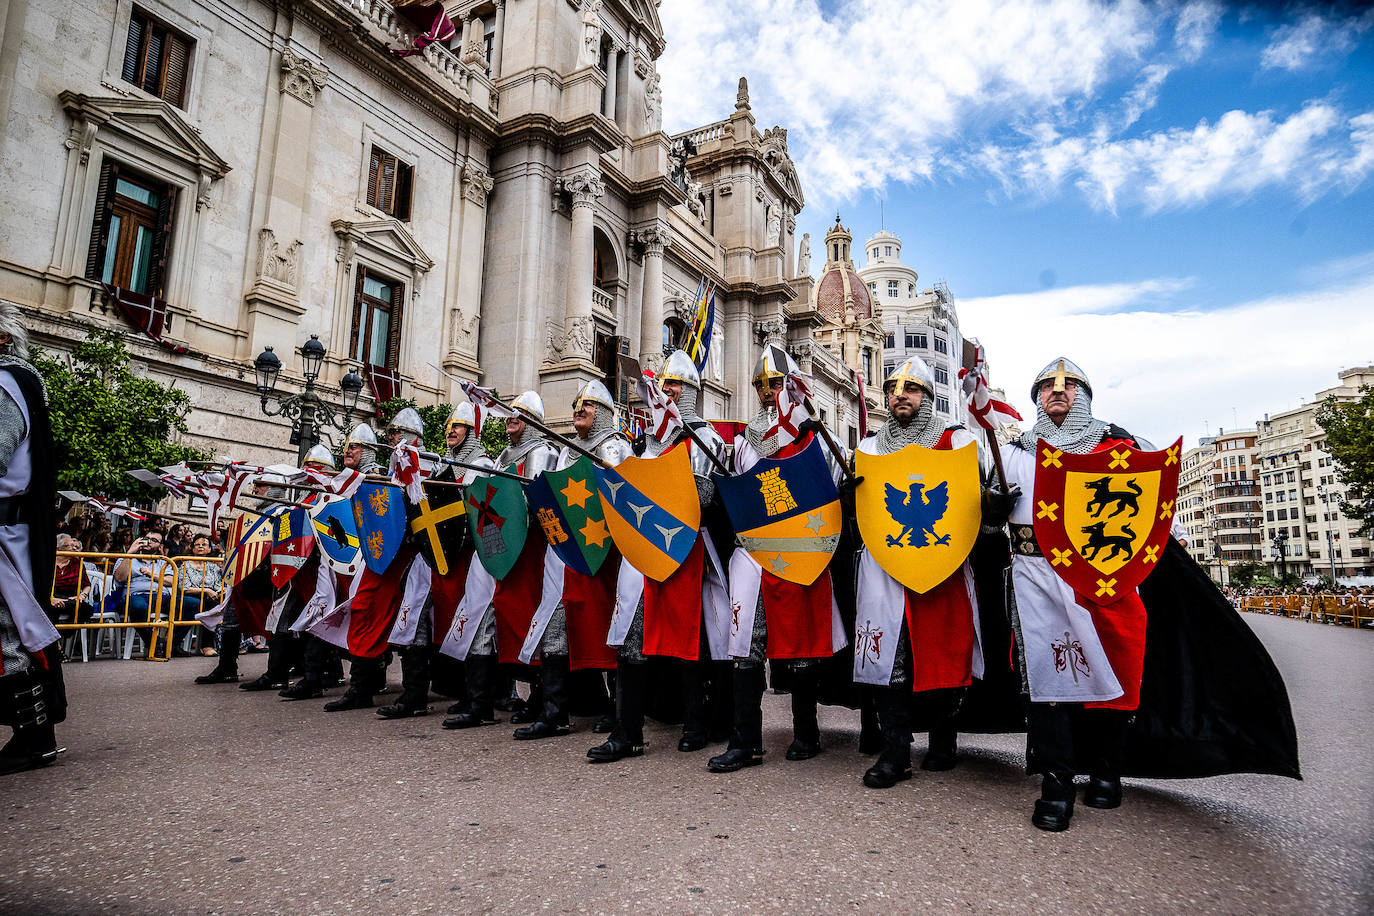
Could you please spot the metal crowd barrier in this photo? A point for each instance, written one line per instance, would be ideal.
(1338, 610)
(166, 601)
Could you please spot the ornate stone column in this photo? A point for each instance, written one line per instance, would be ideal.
(497, 38)
(612, 68)
(584, 186)
(654, 238)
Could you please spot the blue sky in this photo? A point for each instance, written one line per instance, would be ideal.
(1177, 195)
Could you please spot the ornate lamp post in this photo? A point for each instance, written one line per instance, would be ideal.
(308, 412)
(1281, 553)
(1325, 495)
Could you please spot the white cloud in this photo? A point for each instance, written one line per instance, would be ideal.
(1196, 24)
(1313, 151)
(1163, 373)
(1312, 39)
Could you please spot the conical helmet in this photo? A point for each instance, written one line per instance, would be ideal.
(531, 403)
(914, 369)
(320, 457)
(774, 362)
(407, 421)
(1059, 371)
(362, 435)
(463, 415)
(680, 368)
(596, 392)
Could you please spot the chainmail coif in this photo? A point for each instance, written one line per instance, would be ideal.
(1078, 434)
(758, 426)
(922, 430)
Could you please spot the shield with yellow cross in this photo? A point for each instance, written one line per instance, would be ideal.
(919, 510)
(566, 506)
(439, 525)
(1102, 519)
(380, 511)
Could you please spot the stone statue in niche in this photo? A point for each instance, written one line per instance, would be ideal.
(804, 256)
(774, 227)
(653, 102)
(591, 33)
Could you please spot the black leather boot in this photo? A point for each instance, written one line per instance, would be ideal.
(806, 731)
(365, 678)
(870, 730)
(694, 729)
(524, 712)
(352, 698)
(24, 705)
(476, 709)
(1054, 808)
(414, 698)
(553, 714)
(226, 669)
(278, 665)
(307, 688)
(746, 742)
(627, 737)
(1106, 730)
(1102, 792)
(944, 748)
(893, 710)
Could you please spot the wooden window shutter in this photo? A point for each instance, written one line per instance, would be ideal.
(393, 343)
(178, 61)
(386, 183)
(373, 174)
(358, 316)
(162, 241)
(137, 26)
(404, 181)
(152, 65)
(100, 221)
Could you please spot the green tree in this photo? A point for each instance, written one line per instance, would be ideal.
(494, 438)
(434, 418)
(106, 420)
(1349, 428)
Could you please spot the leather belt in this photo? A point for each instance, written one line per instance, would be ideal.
(1023, 541)
(11, 510)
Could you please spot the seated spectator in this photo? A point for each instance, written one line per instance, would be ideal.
(148, 582)
(71, 585)
(200, 584)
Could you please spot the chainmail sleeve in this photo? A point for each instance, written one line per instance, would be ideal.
(12, 430)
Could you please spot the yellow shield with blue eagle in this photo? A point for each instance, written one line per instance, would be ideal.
(919, 510)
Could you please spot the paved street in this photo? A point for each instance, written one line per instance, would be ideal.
(176, 798)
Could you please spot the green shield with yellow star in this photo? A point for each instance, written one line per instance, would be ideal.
(567, 508)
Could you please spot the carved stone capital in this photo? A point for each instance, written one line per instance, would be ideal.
(301, 78)
(642, 63)
(277, 264)
(769, 330)
(652, 239)
(584, 186)
(477, 184)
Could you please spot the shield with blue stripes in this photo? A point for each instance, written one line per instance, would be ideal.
(652, 510)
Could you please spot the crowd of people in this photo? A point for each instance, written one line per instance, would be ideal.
(1005, 643)
(1236, 592)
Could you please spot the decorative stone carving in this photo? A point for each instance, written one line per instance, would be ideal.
(591, 34)
(802, 352)
(81, 135)
(275, 264)
(584, 186)
(791, 224)
(774, 230)
(769, 331)
(653, 102)
(300, 77)
(203, 190)
(464, 332)
(742, 97)
(758, 194)
(475, 48)
(696, 200)
(574, 340)
(650, 240)
(726, 189)
(642, 63)
(804, 256)
(477, 184)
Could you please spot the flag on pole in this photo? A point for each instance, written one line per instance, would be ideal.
(430, 17)
(405, 470)
(114, 508)
(222, 489)
(665, 419)
(486, 399)
(983, 408)
(863, 404)
(698, 342)
(792, 412)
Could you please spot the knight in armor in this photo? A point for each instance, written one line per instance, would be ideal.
(936, 654)
(249, 601)
(1071, 726)
(502, 610)
(33, 698)
(779, 620)
(569, 629)
(688, 615)
(320, 662)
(415, 646)
(366, 676)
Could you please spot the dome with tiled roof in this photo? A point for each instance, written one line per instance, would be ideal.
(839, 290)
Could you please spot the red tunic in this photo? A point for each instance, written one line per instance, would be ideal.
(376, 604)
(588, 602)
(672, 608)
(517, 598)
(940, 624)
(447, 592)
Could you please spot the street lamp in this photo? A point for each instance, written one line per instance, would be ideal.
(1281, 553)
(308, 412)
(1216, 552)
(1325, 495)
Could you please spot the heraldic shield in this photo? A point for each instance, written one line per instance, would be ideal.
(919, 510)
(568, 509)
(1102, 519)
(655, 533)
(336, 533)
(250, 540)
(440, 526)
(786, 513)
(380, 511)
(498, 520)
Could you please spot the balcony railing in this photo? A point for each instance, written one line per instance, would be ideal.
(708, 134)
(603, 300)
(443, 62)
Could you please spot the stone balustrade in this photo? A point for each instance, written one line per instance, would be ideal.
(603, 300)
(708, 134)
(394, 28)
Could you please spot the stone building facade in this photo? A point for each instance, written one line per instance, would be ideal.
(503, 207)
